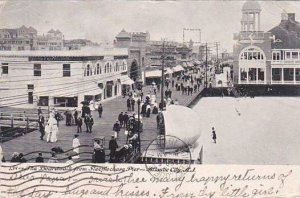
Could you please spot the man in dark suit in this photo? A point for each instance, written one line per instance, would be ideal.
(86, 122)
(113, 145)
(41, 122)
(90, 123)
(116, 129)
(79, 124)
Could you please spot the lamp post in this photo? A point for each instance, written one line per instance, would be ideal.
(138, 124)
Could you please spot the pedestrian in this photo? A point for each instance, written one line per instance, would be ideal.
(86, 122)
(170, 93)
(51, 129)
(99, 152)
(57, 117)
(132, 102)
(53, 158)
(76, 145)
(69, 161)
(40, 158)
(113, 145)
(75, 116)
(90, 123)
(15, 157)
(116, 129)
(148, 110)
(144, 109)
(128, 105)
(41, 122)
(214, 136)
(100, 110)
(125, 118)
(121, 119)
(79, 124)
(39, 110)
(22, 159)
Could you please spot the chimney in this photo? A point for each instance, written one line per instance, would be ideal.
(292, 16)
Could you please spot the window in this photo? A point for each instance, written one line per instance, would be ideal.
(66, 70)
(37, 70)
(117, 66)
(97, 69)
(294, 55)
(110, 67)
(276, 55)
(88, 71)
(4, 68)
(252, 54)
(288, 55)
(30, 97)
(106, 69)
(30, 87)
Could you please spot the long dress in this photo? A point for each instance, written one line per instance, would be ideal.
(76, 145)
(51, 129)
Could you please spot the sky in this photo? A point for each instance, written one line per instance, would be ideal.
(101, 21)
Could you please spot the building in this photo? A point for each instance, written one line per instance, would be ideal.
(17, 39)
(266, 58)
(61, 79)
(77, 44)
(24, 38)
(136, 43)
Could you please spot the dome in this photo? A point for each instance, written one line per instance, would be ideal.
(183, 123)
(251, 5)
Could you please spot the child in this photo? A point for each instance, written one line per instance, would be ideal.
(214, 136)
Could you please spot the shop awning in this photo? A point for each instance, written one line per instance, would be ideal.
(153, 73)
(125, 80)
(168, 71)
(177, 68)
(197, 62)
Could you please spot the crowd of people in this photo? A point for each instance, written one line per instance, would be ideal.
(128, 121)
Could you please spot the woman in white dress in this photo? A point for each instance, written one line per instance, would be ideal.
(51, 129)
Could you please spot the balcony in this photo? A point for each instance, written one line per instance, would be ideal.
(286, 62)
(258, 35)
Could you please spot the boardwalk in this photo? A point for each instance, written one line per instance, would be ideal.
(102, 127)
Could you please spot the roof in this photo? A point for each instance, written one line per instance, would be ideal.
(123, 34)
(58, 32)
(51, 31)
(251, 5)
(183, 123)
(11, 31)
(88, 51)
(287, 35)
(31, 29)
(177, 68)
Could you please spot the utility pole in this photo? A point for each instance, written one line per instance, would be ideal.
(206, 65)
(217, 49)
(162, 75)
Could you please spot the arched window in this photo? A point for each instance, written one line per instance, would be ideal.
(117, 66)
(88, 71)
(110, 67)
(124, 65)
(252, 53)
(106, 68)
(97, 69)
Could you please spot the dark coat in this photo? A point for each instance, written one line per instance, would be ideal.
(113, 145)
(99, 155)
(117, 127)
